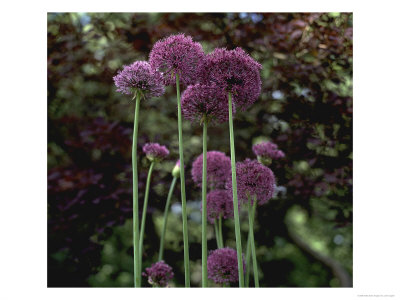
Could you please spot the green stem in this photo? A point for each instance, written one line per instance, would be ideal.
(221, 239)
(166, 212)
(146, 200)
(217, 237)
(204, 210)
(136, 258)
(251, 210)
(234, 194)
(248, 253)
(183, 193)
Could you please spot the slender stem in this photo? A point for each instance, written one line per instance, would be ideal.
(221, 239)
(248, 253)
(217, 234)
(204, 210)
(252, 209)
(144, 211)
(183, 192)
(136, 258)
(234, 194)
(166, 212)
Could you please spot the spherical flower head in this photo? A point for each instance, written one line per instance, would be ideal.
(253, 180)
(176, 171)
(159, 274)
(203, 101)
(218, 169)
(177, 55)
(155, 152)
(139, 78)
(233, 71)
(219, 203)
(266, 152)
(222, 266)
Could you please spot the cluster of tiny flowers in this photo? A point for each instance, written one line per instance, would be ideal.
(218, 169)
(139, 77)
(219, 203)
(159, 274)
(268, 150)
(253, 179)
(177, 55)
(222, 266)
(155, 151)
(199, 101)
(233, 71)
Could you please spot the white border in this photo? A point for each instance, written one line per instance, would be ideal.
(23, 148)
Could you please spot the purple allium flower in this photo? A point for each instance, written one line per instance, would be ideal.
(218, 169)
(159, 274)
(253, 179)
(266, 152)
(222, 265)
(219, 203)
(233, 71)
(177, 54)
(202, 100)
(155, 151)
(139, 77)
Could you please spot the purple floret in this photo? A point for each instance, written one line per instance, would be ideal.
(155, 151)
(233, 71)
(253, 179)
(177, 54)
(219, 203)
(218, 169)
(199, 101)
(268, 150)
(222, 266)
(139, 77)
(159, 274)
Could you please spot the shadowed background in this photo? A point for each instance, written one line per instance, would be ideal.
(303, 235)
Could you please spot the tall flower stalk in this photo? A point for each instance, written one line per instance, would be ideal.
(183, 189)
(234, 195)
(136, 255)
(205, 104)
(142, 81)
(251, 213)
(175, 174)
(155, 153)
(144, 212)
(204, 210)
(177, 57)
(255, 187)
(237, 75)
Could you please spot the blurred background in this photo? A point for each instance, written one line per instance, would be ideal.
(303, 235)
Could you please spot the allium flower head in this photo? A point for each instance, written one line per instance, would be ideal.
(155, 151)
(253, 179)
(266, 152)
(222, 265)
(199, 101)
(218, 169)
(177, 54)
(233, 71)
(219, 203)
(159, 274)
(139, 77)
